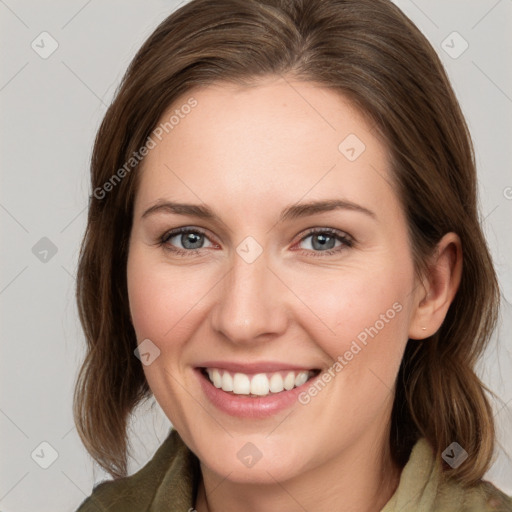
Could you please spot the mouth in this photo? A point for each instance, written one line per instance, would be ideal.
(257, 385)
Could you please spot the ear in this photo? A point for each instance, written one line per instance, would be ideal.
(438, 288)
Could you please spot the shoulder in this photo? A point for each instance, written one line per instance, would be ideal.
(451, 495)
(170, 476)
(482, 497)
(495, 499)
(424, 486)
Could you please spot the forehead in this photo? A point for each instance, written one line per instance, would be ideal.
(277, 140)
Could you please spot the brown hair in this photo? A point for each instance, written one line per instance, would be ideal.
(370, 52)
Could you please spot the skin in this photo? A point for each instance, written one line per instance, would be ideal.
(247, 153)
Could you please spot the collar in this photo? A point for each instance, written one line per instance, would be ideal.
(169, 481)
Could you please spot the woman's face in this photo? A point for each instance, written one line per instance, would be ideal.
(296, 261)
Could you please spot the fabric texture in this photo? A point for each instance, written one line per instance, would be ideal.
(169, 481)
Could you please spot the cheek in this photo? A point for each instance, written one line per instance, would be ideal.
(163, 299)
(165, 302)
(360, 314)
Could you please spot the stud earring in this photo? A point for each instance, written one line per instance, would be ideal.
(423, 328)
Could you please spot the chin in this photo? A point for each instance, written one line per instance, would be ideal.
(251, 459)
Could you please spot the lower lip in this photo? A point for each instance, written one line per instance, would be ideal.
(244, 406)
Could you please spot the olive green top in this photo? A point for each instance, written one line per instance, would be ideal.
(168, 483)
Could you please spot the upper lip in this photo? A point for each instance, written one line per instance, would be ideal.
(255, 367)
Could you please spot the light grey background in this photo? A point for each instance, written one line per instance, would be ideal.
(51, 108)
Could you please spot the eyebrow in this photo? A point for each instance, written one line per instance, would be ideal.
(293, 211)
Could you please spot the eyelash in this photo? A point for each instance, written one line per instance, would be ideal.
(346, 240)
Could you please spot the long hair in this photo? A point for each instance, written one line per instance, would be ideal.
(372, 54)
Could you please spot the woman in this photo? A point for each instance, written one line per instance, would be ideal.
(283, 247)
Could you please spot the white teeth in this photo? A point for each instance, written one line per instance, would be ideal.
(301, 378)
(227, 382)
(216, 378)
(276, 383)
(241, 384)
(289, 381)
(260, 384)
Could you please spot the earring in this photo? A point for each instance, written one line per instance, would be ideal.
(423, 328)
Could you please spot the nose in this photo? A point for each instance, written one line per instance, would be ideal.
(252, 303)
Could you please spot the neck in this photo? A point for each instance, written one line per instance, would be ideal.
(362, 478)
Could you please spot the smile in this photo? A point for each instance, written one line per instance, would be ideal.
(257, 390)
(259, 384)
